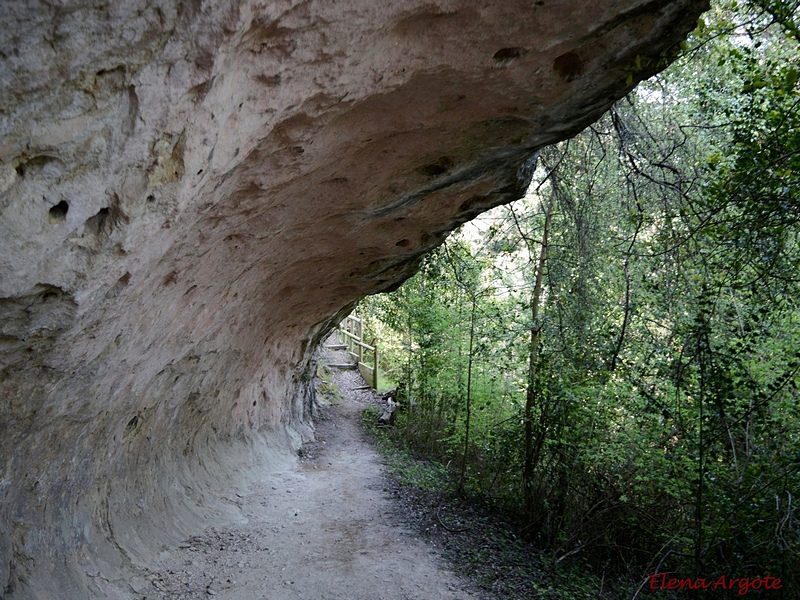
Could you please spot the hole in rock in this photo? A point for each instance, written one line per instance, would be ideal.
(509, 53)
(440, 167)
(569, 66)
(59, 211)
(132, 423)
(472, 203)
(403, 243)
(99, 224)
(31, 165)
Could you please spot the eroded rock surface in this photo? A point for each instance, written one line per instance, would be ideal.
(192, 191)
(325, 529)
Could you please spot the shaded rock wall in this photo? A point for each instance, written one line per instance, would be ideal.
(192, 192)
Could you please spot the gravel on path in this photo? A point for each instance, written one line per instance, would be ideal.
(323, 529)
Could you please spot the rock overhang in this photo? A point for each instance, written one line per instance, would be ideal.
(191, 193)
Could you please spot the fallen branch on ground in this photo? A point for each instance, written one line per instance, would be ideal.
(450, 529)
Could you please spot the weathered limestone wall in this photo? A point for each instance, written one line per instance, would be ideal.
(192, 191)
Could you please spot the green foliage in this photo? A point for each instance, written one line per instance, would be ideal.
(326, 388)
(400, 461)
(665, 365)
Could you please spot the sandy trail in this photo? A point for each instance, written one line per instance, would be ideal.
(322, 530)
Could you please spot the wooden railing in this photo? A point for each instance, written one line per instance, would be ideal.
(351, 333)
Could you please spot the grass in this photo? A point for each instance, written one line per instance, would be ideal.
(326, 388)
(401, 465)
(479, 541)
(385, 383)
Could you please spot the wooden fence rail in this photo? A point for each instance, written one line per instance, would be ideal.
(351, 333)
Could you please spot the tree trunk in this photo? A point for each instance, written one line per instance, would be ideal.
(469, 398)
(534, 441)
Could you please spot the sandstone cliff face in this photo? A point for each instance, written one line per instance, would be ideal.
(191, 193)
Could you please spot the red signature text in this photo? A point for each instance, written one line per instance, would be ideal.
(742, 585)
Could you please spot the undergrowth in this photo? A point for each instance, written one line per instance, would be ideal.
(479, 540)
(326, 388)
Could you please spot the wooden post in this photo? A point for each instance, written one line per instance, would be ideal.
(375, 367)
(351, 333)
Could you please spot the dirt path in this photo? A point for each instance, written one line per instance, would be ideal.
(322, 530)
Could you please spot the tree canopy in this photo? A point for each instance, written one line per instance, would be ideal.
(616, 356)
